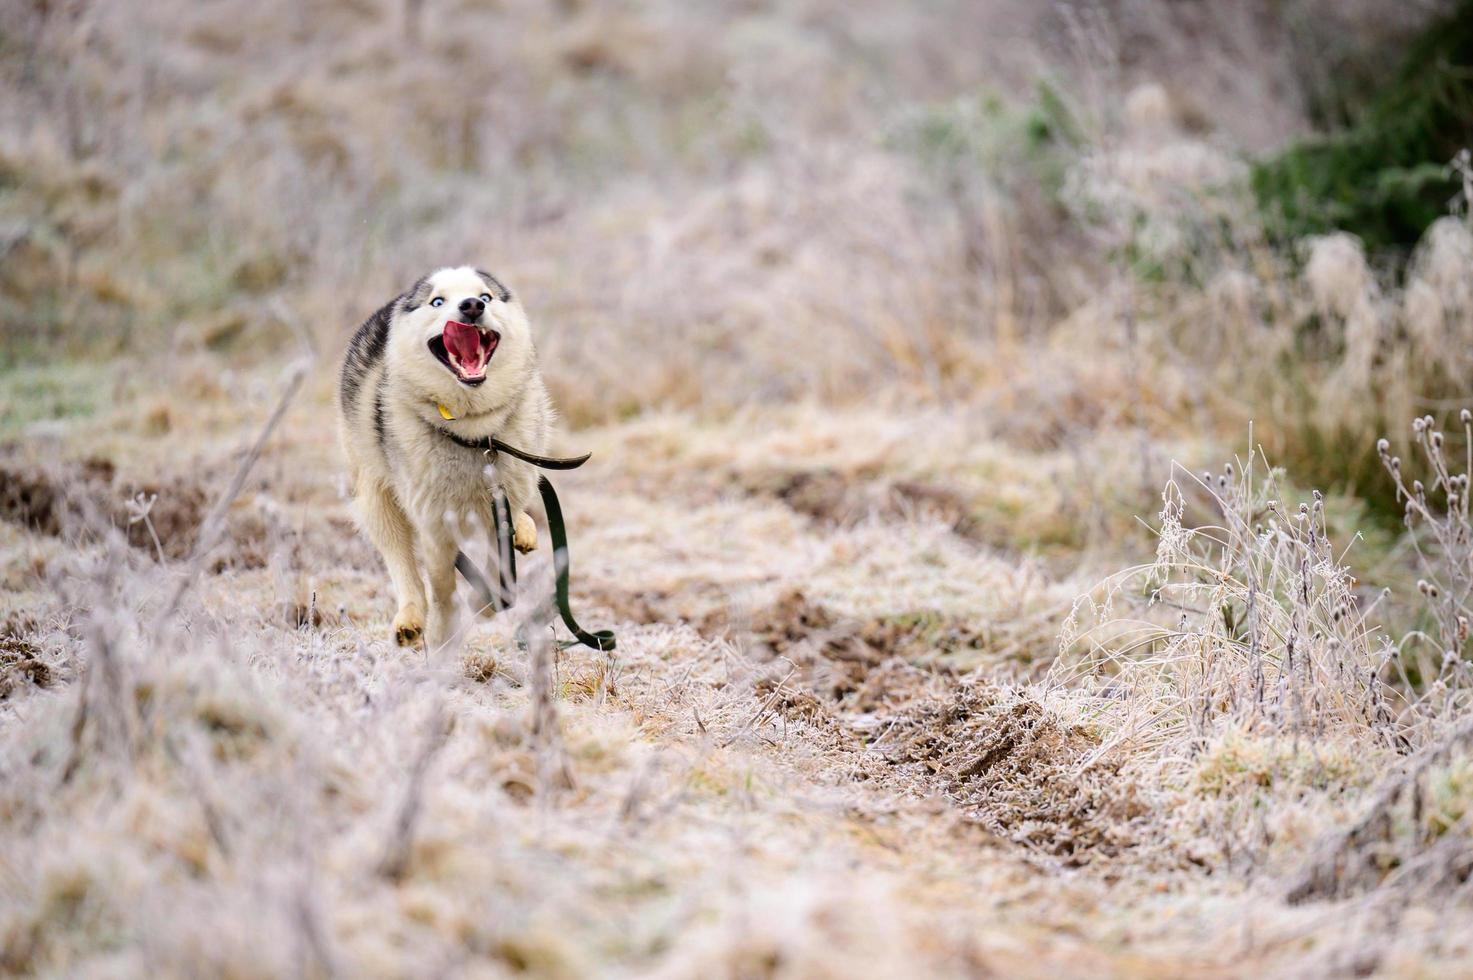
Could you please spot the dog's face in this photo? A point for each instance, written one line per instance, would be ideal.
(458, 327)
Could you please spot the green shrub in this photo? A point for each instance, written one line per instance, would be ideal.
(1386, 178)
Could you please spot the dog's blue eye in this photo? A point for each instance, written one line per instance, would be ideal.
(438, 301)
(485, 297)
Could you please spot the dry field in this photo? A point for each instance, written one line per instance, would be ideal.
(957, 432)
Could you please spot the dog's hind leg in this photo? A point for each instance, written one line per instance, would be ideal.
(384, 520)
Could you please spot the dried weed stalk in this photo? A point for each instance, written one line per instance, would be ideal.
(1246, 619)
(1433, 661)
(395, 860)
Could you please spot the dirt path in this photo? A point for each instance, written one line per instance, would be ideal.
(815, 753)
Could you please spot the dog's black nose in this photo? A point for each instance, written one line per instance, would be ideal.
(472, 308)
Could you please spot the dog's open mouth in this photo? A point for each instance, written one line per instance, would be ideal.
(465, 349)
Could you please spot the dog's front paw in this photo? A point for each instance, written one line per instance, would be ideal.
(524, 533)
(409, 626)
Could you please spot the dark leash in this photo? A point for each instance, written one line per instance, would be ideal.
(503, 594)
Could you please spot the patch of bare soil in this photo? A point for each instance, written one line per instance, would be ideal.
(698, 605)
(57, 500)
(1011, 766)
(830, 497)
(859, 664)
(796, 626)
(153, 517)
(28, 498)
(1016, 769)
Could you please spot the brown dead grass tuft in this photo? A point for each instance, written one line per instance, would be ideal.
(295, 614)
(792, 702)
(479, 665)
(21, 662)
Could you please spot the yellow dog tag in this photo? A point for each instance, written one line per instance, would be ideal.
(445, 413)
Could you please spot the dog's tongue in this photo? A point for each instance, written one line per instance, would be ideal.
(463, 343)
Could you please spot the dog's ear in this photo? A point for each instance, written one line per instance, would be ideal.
(494, 285)
(415, 296)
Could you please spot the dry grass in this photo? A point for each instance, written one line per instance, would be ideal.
(878, 380)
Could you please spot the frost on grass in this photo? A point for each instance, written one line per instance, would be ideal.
(840, 713)
(880, 376)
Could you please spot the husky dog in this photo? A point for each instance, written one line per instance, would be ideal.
(451, 357)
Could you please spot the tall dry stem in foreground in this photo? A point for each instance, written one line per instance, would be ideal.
(544, 731)
(395, 860)
(106, 718)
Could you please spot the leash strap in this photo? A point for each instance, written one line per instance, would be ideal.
(600, 639)
(477, 581)
(502, 597)
(495, 445)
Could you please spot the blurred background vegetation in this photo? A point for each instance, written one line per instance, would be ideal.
(1141, 201)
